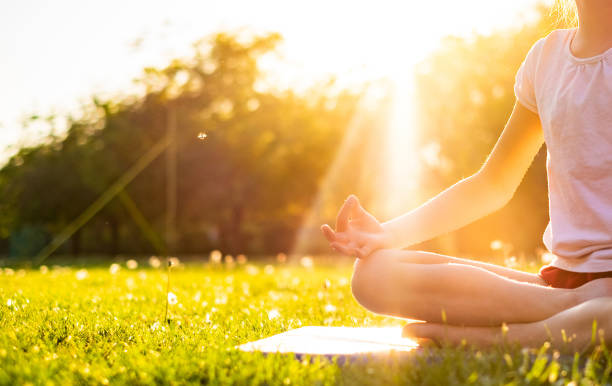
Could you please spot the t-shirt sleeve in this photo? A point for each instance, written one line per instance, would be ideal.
(524, 85)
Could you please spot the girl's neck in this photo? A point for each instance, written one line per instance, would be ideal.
(594, 34)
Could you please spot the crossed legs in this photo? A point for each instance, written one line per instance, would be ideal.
(570, 330)
(445, 290)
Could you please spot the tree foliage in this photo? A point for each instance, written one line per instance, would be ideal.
(244, 188)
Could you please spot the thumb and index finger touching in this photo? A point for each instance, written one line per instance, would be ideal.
(351, 208)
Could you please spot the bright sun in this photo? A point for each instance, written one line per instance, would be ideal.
(387, 44)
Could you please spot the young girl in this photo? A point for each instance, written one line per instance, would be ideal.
(564, 93)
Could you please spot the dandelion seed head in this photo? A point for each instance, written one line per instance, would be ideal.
(329, 308)
(281, 258)
(172, 299)
(251, 270)
(114, 268)
(229, 259)
(131, 264)
(241, 259)
(197, 296)
(154, 262)
(44, 269)
(173, 262)
(82, 274)
(268, 269)
(216, 256)
(273, 314)
(307, 262)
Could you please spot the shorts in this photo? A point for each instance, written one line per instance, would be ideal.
(560, 278)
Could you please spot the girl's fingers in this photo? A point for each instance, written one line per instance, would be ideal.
(342, 237)
(329, 233)
(341, 248)
(364, 251)
(344, 214)
(364, 217)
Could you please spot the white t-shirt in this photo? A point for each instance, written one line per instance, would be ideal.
(573, 97)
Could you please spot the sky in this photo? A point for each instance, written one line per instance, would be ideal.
(54, 55)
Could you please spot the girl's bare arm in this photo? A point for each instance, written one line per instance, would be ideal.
(474, 197)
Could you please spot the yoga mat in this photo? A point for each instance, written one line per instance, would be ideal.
(342, 342)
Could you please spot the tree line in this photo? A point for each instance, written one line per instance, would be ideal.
(250, 160)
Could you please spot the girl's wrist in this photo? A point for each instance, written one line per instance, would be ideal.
(392, 238)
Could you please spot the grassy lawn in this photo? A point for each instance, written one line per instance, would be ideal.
(99, 325)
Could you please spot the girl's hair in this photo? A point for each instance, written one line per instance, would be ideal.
(565, 12)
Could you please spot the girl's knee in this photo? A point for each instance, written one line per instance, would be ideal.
(373, 284)
(364, 284)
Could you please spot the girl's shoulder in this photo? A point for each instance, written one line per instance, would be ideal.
(553, 45)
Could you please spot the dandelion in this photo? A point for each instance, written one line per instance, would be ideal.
(241, 259)
(197, 296)
(129, 282)
(268, 269)
(496, 245)
(307, 262)
(251, 270)
(114, 268)
(343, 281)
(82, 274)
(273, 314)
(329, 308)
(172, 299)
(9, 302)
(154, 262)
(215, 256)
(44, 269)
(281, 258)
(229, 259)
(156, 326)
(131, 264)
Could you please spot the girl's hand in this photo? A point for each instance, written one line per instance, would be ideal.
(358, 233)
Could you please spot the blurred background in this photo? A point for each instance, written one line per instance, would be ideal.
(149, 127)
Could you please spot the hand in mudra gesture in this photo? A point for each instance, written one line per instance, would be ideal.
(358, 233)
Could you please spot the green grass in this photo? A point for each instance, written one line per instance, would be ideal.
(108, 328)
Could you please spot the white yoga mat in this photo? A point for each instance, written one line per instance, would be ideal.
(335, 342)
